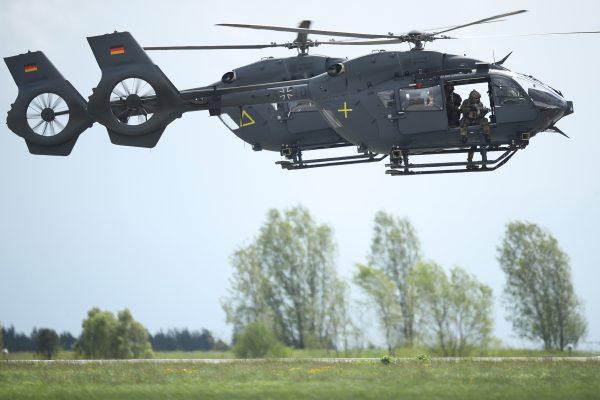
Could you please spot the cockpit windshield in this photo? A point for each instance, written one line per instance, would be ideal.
(511, 88)
(542, 95)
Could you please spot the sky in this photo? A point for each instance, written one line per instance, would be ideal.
(153, 229)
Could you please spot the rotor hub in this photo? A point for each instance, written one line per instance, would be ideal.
(48, 114)
(133, 101)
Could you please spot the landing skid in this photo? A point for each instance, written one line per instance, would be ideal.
(399, 159)
(296, 161)
(400, 164)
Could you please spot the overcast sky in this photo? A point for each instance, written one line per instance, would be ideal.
(153, 230)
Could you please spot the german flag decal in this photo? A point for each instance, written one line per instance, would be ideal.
(31, 68)
(116, 50)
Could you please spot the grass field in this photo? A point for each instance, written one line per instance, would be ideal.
(272, 379)
(321, 353)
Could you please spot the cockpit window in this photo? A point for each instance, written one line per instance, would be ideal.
(528, 83)
(507, 92)
(425, 99)
(540, 94)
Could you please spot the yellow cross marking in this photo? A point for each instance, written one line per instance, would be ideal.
(345, 110)
(246, 119)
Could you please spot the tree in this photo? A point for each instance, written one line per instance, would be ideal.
(46, 341)
(185, 340)
(131, 338)
(1, 337)
(454, 312)
(287, 278)
(97, 336)
(395, 249)
(67, 340)
(257, 341)
(472, 311)
(17, 341)
(539, 294)
(380, 291)
(104, 336)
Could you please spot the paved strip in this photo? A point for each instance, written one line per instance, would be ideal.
(296, 360)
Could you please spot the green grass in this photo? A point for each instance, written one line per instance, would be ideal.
(271, 379)
(324, 353)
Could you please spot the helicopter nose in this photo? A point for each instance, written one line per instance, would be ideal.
(568, 108)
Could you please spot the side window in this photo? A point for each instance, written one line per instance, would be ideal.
(302, 106)
(229, 122)
(507, 92)
(387, 98)
(425, 99)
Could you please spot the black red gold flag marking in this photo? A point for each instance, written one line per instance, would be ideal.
(116, 50)
(31, 68)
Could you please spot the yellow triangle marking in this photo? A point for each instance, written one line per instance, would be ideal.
(246, 119)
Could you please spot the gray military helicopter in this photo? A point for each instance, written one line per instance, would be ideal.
(384, 103)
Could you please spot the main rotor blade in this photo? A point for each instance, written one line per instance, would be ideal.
(481, 21)
(369, 42)
(217, 47)
(309, 31)
(454, 26)
(360, 42)
(529, 34)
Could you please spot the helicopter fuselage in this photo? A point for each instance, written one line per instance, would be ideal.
(389, 100)
(282, 123)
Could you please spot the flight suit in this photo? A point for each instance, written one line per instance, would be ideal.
(473, 112)
(453, 102)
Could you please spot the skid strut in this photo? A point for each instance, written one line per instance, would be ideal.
(400, 164)
(294, 159)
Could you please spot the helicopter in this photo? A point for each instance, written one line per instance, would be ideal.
(384, 103)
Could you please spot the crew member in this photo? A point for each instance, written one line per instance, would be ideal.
(474, 112)
(453, 101)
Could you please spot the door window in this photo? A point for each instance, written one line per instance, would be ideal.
(424, 99)
(387, 98)
(507, 92)
(302, 106)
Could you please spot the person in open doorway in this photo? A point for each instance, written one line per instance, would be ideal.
(453, 102)
(474, 112)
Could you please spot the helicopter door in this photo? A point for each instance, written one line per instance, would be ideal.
(421, 110)
(303, 116)
(511, 104)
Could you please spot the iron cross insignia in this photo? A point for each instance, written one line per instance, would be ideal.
(286, 93)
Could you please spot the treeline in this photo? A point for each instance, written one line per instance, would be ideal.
(186, 340)
(19, 341)
(170, 340)
(285, 281)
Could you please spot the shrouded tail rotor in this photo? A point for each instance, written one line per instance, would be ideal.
(48, 112)
(134, 99)
(131, 101)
